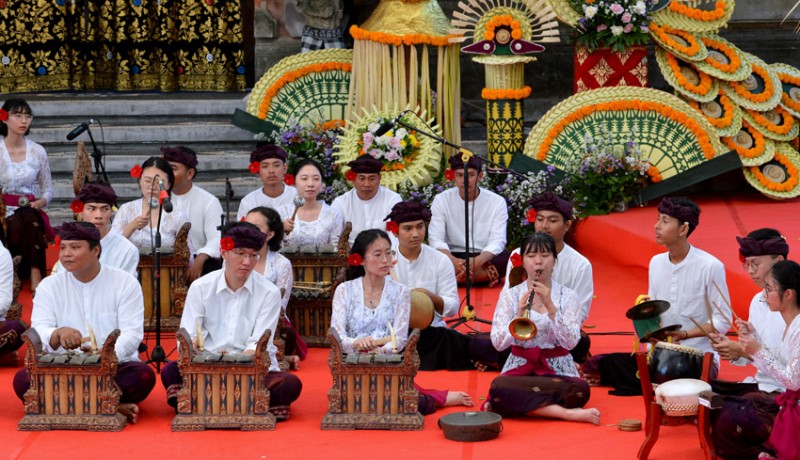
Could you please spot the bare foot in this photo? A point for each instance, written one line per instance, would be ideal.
(591, 415)
(130, 411)
(294, 361)
(458, 398)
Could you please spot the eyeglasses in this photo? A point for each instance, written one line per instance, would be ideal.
(248, 255)
(750, 266)
(386, 255)
(22, 116)
(768, 289)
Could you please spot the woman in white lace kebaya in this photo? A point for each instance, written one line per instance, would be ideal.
(27, 189)
(137, 220)
(364, 305)
(277, 269)
(540, 377)
(781, 290)
(315, 221)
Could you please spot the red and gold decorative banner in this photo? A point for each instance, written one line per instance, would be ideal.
(605, 68)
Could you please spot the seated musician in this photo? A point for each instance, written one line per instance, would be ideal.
(748, 407)
(277, 269)
(782, 363)
(94, 203)
(10, 330)
(368, 202)
(234, 308)
(315, 221)
(202, 208)
(365, 305)
(487, 225)
(540, 378)
(138, 220)
(422, 268)
(690, 279)
(87, 293)
(269, 162)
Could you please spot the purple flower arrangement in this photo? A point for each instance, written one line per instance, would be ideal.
(615, 24)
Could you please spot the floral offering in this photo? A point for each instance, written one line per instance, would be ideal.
(615, 24)
(394, 149)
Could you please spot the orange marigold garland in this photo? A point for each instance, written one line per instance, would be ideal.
(759, 143)
(785, 98)
(727, 110)
(293, 75)
(399, 40)
(763, 96)
(791, 170)
(717, 45)
(681, 8)
(700, 89)
(491, 94)
(785, 127)
(663, 34)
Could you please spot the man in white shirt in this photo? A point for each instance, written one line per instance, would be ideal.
(202, 208)
(743, 423)
(269, 162)
(427, 270)
(234, 308)
(10, 330)
(488, 216)
(86, 293)
(94, 204)
(368, 202)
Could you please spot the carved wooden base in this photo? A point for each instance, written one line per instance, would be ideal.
(393, 422)
(188, 422)
(33, 422)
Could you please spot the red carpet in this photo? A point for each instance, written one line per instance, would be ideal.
(619, 246)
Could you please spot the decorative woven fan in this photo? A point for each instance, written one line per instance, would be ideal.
(536, 20)
(777, 178)
(751, 146)
(724, 61)
(790, 79)
(695, 16)
(671, 135)
(682, 44)
(722, 113)
(761, 90)
(565, 12)
(685, 77)
(304, 87)
(420, 168)
(777, 124)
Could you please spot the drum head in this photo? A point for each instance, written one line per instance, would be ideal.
(422, 310)
(647, 309)
(659, 333)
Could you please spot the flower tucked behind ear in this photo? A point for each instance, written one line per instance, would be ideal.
(288, 179)
(76, 206)
(355, 260)
(3, 115)
(254, 167)
(136, 172)
(516, 260)
(392, 226)
(531, 215)
(449, 174)
(226, 243)
(351, 175)
(58, 241)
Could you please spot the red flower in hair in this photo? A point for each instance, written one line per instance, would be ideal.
(449, 174)
(392, 226)
(76, 206)
(351, 175)
(58, 241)
(136, 172)
(355, 260)
(227, 243)
(254, 167)
(3, 115)
(516, 260)
(741, 257)
(531, 215)
(242, 219)
(288, 179)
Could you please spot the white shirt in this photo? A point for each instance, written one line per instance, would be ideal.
(171, 223)
(257, 198)
(488, 218)
(783, 363)
(29, 177)
(572, 270)
(353, 320)
(278, 271)
(233, 321)
(204, 211)
(112, 300)
(326, 229)
(365, 215)
(433, 271)
(689, 289)
(6, 281)
(770, 327)
(120, 253)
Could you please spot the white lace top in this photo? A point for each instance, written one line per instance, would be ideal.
(564, 331)
(170, 224)
(278, 271)
(325, 230)
(354, 320)
(783, 364)
(30, 177)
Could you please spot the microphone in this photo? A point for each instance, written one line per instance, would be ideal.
(80, 129)
(163, 197)
(384, 128)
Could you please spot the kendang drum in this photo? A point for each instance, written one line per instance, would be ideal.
(672, 361)
(471, 426)
(681, 397)
(422, 310)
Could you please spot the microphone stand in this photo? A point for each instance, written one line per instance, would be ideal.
(468, 312)
(97, 155)
(158, 355)
(228, 197)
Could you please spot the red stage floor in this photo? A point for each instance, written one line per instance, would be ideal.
(619, 246)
